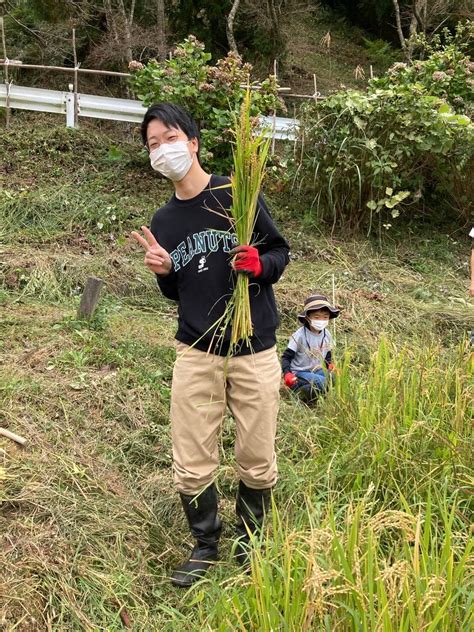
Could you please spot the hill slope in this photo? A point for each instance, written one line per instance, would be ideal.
(91, 523)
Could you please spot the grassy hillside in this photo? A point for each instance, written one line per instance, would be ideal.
(373, 495)
(321, 43)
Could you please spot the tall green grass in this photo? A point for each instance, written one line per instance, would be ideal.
(361, 568)
(377, 537)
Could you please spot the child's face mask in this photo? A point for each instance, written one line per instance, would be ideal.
(172, 160)
(318, 324)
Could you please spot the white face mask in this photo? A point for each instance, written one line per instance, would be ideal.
(319, 324)
(172, 160)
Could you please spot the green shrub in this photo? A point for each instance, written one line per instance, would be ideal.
(447, 72)
(406, 144)
(212, 94)
(380, 52)
(371, 155)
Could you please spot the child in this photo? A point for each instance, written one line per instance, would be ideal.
(306, 362)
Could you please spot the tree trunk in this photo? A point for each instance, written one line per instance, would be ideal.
(109, 14)
(419, 8)
(127, 27)
(162, 25)
(230, 27)
(398, 20)
(273, 16)
(418, 24)
(410, 44)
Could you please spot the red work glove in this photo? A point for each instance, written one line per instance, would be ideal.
(246, 260)
(333, 369)
(290, 379)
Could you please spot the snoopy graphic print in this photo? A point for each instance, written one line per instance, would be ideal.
(202, 265)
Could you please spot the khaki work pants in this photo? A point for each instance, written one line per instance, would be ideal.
(203, 385)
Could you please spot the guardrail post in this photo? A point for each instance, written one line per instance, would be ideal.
(70, 107)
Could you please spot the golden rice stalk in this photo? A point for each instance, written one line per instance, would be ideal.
(250, 154)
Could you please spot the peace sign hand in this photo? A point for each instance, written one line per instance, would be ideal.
(157, 258)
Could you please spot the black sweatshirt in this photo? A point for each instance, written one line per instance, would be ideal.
(197, 234)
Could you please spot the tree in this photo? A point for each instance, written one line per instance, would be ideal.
(230, 27)
(110, 33)
(120, 23)
(397, 20)
(133, 29)
(161, 23)
(423, 17)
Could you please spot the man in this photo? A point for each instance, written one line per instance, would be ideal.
(190, 248)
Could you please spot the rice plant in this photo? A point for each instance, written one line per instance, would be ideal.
(361, 568)
(250, 156)
(379, 538)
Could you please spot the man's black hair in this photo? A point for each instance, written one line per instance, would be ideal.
(173, 117)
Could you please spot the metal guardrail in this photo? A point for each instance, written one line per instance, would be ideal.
(113, 109)
(36, 99)
(281, 128)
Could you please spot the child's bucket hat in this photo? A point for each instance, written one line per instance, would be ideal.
(317, 301)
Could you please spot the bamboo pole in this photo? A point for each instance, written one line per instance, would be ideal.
(304, 96)
(274, 111)
(112, 73)
(315, 88)
(11, 435)
(7, 82)
(76, 98)
(18, 64)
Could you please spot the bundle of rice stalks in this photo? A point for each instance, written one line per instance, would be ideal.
(250, 153)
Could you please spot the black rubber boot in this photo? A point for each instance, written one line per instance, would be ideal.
(205, 525)
(251, 507)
